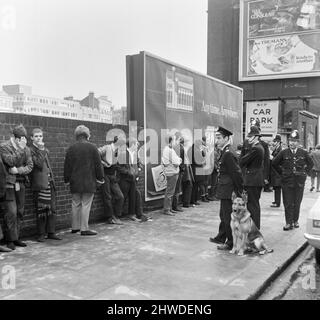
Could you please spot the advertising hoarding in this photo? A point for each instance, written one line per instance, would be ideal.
(279, 39)
(176, 98)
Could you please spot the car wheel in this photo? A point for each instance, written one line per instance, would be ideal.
(317, 252)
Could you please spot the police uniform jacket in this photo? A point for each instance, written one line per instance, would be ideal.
(266, 160)
(293, 167)
(275, 176)
(229, 174)
(252, 163)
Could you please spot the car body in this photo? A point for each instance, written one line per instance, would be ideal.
(313, 228)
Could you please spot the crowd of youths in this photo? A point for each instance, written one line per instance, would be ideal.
(113, 168)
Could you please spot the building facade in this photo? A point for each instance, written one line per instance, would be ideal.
(24, 101)
(119, 116)
(282, 27)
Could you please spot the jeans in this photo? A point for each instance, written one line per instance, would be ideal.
(171, 186)
(13, 212)
(112, 197)
(177, 191)
(130, 192)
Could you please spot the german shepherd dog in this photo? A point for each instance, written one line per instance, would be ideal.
(246, 235)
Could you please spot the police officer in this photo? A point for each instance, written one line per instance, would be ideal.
(275, 178)
(229, 180)
(266, 159)
(252, 163)
(293, 164)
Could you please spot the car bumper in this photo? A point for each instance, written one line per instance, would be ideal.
(314, 240)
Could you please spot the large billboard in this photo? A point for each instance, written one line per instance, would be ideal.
(279, 39)
(163, 96)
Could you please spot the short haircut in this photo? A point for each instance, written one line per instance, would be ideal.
(36, 130)
(169, 139)
(19, 131)
(82, 131)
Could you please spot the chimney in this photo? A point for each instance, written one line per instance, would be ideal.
(91, 99)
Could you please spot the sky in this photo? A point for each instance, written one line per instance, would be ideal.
(71, 47)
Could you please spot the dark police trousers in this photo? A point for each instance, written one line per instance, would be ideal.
(225, 216)
(292, 197)
(13, 212)
(253, 204)
(277, 195)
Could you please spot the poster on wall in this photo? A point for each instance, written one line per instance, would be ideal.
(279, 39)
(266, 112)
(175, 98)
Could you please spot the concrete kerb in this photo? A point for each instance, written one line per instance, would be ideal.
(276, 273)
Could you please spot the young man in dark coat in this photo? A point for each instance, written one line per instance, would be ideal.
(179, 149)
(229, 180)
(128, 170)
(252, 163)
(275, 176)
(16, 157)
(2, 193)
(293, 164)
(112, 196)
(83, 171)
(43, 187)
(198, 157)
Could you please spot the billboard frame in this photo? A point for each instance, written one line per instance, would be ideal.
(244, 38)
(148, 54)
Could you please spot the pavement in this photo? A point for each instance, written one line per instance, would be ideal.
(166, 258)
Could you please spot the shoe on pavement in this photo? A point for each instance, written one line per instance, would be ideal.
(114, 220)
(168, 213)
(19, 243)
(41, 238)
(144, 218)
(204, 199)
(11, 246)
(196, 203)
(178, 209)
(88, 233)
(4, 249)
(53, 236)
(215, 240)
(311, 189)
(133, 218)
(75, 230)
(224, 247)
(173, 211)
(275, 206)
(296, 224)
(288, 227)
(212, 198)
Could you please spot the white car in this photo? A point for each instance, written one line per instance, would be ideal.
(313, 229)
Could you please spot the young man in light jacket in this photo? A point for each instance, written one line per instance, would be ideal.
(171, 163)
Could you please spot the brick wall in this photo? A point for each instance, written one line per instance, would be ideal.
(58, 136)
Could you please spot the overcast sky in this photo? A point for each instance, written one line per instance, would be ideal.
(71, 47)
